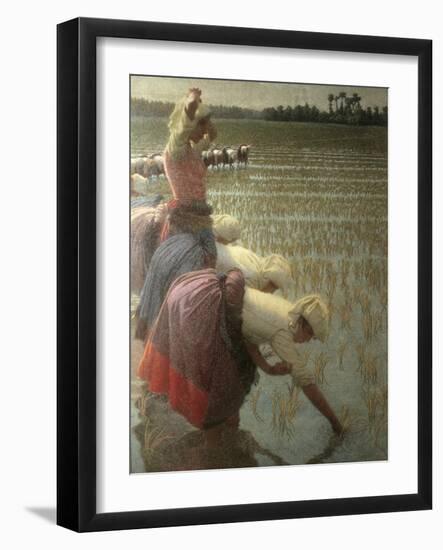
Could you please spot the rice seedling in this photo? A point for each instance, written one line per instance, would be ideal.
(254, 397)
(284, 410)
(372, 324)
(350, 422)
(370, 369)
(364, 302)
(320, 362)
(153, 437)
(370, 399)
(345, 312)
(331, 286)
(341, 349)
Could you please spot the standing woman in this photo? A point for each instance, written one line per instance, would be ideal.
(190, 131)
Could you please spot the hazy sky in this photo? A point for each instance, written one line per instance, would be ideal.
(255, 95)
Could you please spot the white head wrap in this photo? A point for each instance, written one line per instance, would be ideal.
(176, 118)
(316, 313)
(226, 227)
(276, 269)
(180, 125)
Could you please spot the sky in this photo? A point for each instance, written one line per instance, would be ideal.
(255, 95)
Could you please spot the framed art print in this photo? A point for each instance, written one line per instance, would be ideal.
(244, 274)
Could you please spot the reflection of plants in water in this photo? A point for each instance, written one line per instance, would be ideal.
(284, 410)
(152, 438)
(320, 363)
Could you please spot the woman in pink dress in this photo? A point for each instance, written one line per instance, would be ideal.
(190, 132)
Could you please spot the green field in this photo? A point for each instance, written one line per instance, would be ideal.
(318, 195)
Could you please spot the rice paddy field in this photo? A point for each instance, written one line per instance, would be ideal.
(316, 194)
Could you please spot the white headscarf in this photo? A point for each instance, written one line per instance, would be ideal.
(316, 313)
(181, 126)
(226, 227)
(276, 269)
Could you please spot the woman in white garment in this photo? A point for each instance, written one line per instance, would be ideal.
(262, 273)
(270, 319)
(202, 376)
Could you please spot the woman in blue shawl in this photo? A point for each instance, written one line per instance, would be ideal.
(176, 256)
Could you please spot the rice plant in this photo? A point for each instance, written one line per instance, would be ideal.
(254, 397)
(341, 349)
(345, 312)
(284, 410)
(320, 362)
(152, 438)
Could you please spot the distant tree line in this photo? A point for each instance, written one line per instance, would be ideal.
(343, 109)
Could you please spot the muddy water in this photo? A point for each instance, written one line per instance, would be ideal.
(318, 195)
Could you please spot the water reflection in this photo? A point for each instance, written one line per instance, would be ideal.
(169, 443)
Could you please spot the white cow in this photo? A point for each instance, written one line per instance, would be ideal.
(229, 156)
(243, 154)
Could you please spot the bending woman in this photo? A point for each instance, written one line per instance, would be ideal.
(195, 353)
(176, 256)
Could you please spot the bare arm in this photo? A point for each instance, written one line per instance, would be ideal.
(316, 397)
(192, 102)
(260, 361)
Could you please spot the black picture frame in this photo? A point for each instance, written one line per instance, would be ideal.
(76, 280)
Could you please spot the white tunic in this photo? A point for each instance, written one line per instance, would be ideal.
(265, 321)
(250, 264)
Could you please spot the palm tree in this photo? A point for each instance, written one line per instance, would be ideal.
(342, 96)
(330, 99)
(357, 100)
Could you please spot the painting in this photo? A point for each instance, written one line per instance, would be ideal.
(258, 266)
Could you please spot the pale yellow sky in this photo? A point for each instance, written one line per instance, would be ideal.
(255, 95)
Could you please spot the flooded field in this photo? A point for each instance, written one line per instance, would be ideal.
(317, 194)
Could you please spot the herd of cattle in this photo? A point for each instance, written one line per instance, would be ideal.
(217, 157)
